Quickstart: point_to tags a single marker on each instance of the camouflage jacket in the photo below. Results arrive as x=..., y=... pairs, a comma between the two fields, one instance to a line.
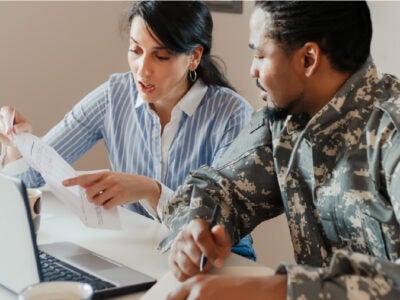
x=334, y=176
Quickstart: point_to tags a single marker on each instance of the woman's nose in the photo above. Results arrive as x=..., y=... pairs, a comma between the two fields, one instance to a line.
x=145, y=68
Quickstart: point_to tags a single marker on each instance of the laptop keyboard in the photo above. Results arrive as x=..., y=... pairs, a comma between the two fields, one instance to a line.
x=54, y=269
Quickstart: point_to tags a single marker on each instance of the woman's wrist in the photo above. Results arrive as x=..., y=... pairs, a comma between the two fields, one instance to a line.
x=155, y=195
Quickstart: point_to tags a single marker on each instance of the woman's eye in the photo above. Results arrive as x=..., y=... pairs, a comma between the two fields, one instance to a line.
x=162, y=57
x=133, y=51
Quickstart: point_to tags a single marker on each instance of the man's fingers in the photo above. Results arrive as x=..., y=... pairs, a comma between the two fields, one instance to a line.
x=194, y=240
x=186, y=265
x=178, y=273
x=223, y=242
x=211, y=242
x=185, y=256
x=201, y=233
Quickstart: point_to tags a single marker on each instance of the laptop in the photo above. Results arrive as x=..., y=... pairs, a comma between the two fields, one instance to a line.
x=24, y=263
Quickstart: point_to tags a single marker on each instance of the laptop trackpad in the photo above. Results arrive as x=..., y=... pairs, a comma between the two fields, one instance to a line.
x=91, y=262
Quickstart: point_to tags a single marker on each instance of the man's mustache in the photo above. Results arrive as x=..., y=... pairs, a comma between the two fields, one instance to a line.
x=260, y=86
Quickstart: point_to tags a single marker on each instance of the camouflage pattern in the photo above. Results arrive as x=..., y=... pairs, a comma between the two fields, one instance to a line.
x=335, y=177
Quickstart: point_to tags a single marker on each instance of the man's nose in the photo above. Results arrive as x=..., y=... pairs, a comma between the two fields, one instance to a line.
x=254, y=70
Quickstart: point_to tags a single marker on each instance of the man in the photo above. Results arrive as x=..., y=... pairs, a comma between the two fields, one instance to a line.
x=322, y=151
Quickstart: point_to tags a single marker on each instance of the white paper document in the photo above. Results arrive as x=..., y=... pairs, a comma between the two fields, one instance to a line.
x=54, y=169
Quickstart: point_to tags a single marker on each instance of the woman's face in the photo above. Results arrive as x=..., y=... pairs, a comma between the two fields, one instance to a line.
x=160, y=75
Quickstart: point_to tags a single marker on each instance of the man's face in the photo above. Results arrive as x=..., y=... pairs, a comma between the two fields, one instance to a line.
x=277, y=73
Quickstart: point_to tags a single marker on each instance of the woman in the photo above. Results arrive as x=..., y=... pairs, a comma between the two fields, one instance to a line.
x=172, y=113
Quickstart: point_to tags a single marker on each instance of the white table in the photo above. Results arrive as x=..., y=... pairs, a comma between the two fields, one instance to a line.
x=134, y=245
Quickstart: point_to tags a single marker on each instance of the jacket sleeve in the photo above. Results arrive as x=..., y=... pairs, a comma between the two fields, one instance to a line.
x=349, y=276
x=244, y=183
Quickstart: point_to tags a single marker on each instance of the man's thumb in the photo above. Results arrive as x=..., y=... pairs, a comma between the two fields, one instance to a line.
x=223, y=242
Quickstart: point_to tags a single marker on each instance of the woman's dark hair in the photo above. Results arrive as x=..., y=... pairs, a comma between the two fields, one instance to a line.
x=342, y=29
x=182, y=26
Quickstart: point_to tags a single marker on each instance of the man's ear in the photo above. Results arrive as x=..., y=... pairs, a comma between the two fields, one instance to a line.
x=311, y=57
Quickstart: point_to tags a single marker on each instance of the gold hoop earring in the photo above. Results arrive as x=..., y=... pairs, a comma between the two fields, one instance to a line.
x=192, y=75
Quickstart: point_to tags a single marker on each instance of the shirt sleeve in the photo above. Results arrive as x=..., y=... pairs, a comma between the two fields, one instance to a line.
x=165, y=195
x=238, y=119
x=79, y=130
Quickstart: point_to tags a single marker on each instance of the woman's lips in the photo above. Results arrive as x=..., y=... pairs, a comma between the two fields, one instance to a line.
x=146, y=87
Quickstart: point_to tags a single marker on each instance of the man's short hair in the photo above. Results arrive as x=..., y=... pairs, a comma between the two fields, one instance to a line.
x=342, y=29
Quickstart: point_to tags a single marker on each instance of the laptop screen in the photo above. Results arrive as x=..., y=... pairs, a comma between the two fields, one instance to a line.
x=18, y=254
x=19, y=257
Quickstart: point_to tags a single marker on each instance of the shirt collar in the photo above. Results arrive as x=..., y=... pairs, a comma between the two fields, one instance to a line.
x=139, y=101
x=189, y=102
x=353, y=97
x=350, y=97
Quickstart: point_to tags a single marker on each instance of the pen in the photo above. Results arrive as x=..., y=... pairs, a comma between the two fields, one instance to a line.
x=214, y=217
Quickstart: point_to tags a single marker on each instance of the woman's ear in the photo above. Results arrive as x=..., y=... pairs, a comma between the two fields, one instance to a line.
x=311, y=57
x=195, y=57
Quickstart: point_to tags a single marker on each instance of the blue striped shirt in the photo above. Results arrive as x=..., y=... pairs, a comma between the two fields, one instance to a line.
x=131, y=131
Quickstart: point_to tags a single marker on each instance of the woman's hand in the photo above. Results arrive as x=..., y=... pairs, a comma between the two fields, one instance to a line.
x=111, y=189
x=12, y=122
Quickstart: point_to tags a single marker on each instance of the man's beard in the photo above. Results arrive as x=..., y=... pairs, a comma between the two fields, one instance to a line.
x=278, y=113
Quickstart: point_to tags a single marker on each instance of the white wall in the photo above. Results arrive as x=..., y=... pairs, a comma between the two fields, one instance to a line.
x=385, y=40
x=230, y=35
x=53, y=53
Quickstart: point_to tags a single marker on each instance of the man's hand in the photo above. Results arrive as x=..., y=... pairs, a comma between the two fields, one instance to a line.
x=110, y=189
x=195, y=239
x=209, y=287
